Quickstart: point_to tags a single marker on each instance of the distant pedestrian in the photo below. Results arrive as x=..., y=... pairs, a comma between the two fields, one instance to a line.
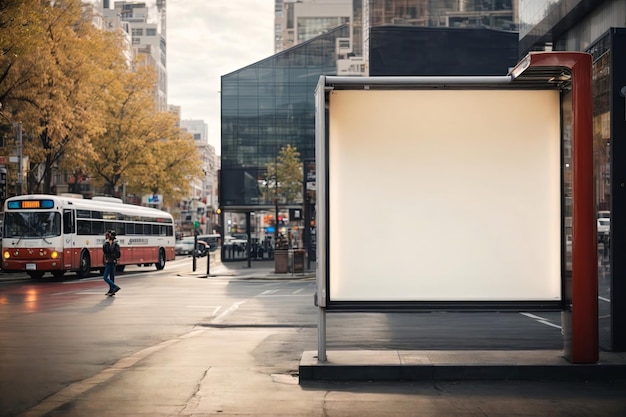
x=111, y=252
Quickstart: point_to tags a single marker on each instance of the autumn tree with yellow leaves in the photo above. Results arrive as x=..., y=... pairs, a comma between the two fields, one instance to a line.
x=140, y=147
x=83, y=108
x=283, y=178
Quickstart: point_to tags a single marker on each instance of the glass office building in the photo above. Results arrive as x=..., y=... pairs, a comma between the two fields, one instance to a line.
x=596, y=27
x=266, y=106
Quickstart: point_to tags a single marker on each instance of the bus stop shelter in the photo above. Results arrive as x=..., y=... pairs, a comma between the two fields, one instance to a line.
x=474, y=169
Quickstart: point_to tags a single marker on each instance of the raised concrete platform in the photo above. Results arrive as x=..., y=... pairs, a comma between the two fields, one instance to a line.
x=413, y=365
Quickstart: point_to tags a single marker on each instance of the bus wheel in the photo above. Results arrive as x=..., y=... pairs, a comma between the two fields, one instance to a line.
x=58, y=274
x=161, y=262
x=119, y=268
x=85, y=265
x=35, y=274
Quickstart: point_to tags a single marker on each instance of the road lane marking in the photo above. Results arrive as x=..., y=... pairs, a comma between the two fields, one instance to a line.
x=547, y=323
x=532, y=316
x=282, y=295
x=541, y=320
x=230, y=310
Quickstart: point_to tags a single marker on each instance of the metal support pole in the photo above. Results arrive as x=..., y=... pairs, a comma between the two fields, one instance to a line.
x=222, y=234
x=307, y=229
x=248, y=243
x=321, y=334
x=195, y=246
x=276, y=224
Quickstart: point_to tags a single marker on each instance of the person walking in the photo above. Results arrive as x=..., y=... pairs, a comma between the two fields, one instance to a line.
x=111, y=252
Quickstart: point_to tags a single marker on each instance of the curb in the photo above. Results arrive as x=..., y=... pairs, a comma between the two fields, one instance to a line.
x=251, y=276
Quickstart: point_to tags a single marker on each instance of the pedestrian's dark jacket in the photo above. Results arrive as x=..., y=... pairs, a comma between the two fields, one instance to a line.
x=111, y=252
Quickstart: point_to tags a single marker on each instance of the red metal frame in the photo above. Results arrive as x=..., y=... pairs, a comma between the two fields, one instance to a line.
x=584, y=289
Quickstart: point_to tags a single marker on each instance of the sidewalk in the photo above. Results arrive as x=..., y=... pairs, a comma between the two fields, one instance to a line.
x=221, y=372
x=239, y=269
x=267, y=371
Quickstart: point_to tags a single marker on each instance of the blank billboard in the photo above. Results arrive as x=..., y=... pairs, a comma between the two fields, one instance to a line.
x=444, y=195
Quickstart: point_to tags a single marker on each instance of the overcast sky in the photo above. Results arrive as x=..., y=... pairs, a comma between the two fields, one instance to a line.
x=207, y=39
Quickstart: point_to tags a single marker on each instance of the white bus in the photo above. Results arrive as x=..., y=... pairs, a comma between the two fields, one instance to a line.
x=57, y=234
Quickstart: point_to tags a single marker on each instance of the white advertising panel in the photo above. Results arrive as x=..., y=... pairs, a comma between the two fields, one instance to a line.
x=444, y=195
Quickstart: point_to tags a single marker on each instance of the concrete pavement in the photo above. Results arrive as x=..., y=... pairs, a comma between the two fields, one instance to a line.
x=216, y=372
x=222, y=371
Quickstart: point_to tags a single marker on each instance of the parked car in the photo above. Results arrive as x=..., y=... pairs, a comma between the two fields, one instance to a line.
x=231, y=240
x=185, y=247
x=212, y=240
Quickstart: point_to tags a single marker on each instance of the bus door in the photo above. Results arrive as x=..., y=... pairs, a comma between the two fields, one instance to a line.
x=71, y=256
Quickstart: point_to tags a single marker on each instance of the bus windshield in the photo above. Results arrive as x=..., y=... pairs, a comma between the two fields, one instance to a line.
x=32, y=224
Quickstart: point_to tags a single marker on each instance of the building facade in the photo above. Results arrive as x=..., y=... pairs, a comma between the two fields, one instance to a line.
x=300, y=21
x=297, y=21
x=498, y=14
x=148, y=39
x=598, y=28
x=439, y=51
x=266, y=106
x=203, y=197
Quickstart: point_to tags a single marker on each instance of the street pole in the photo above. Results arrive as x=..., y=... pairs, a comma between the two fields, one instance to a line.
x=195, y=248
x=248, y=243
x=19, y=158
x=276, y=223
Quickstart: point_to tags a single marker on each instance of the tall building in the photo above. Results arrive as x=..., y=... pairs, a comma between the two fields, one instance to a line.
x=299, y=21
x=266, y=106
x=497, y=14
x=204, y=190
x=148, y=39
x=599, y=28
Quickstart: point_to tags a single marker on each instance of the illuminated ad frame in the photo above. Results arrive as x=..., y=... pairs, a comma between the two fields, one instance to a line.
x=446, y=192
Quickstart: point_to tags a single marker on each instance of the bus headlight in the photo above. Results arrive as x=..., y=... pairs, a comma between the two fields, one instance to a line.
x=54, y=254
x=6, y=254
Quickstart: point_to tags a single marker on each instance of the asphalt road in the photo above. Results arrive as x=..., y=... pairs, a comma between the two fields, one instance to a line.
x=57, y=333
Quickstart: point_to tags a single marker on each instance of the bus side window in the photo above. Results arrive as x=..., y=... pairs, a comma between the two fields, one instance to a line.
x=84, y=227
x=68, y=221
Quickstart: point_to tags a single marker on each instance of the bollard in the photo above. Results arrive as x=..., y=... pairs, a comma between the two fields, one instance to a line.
x=208, y=263
x=193, y=252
